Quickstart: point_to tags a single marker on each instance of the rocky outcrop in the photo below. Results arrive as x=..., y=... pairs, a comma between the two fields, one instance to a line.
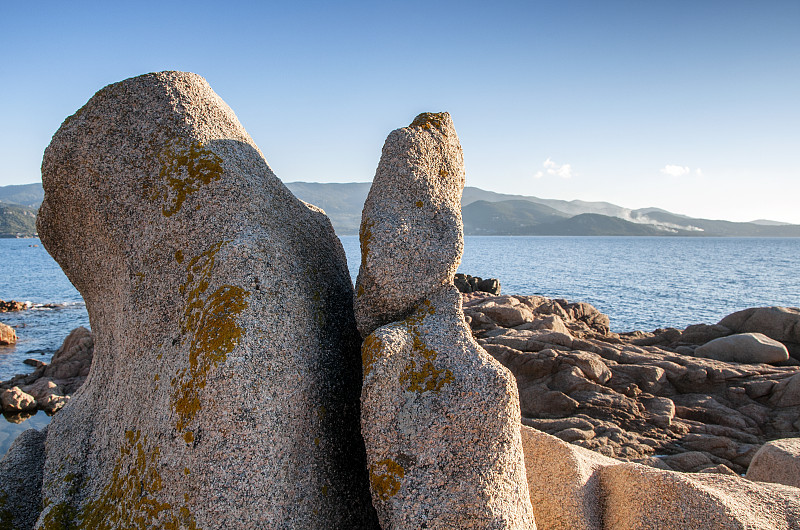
x=220, y=305
x=440, y=417
x=21, y=481
x=778, y=323
x=637, y=395
x=7, y=335
x=750, y=348
x=50, y=386
x=777, y=461
x=12, y=305
x=576, y=489
x=468, y=284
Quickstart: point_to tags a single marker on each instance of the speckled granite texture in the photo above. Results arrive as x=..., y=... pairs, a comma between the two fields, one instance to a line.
x=224, y=387
x=440, y=416
x=21, y=481
x=409, y=241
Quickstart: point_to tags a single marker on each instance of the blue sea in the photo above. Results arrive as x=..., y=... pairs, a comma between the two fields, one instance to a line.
x=640, y=282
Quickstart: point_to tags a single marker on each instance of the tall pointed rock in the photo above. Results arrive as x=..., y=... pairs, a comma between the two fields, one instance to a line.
x=440, y=416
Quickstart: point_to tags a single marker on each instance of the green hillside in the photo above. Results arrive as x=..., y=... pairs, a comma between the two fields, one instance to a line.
x=484, y=213
x=23, y=194
x=517, y=217
x=17, y=221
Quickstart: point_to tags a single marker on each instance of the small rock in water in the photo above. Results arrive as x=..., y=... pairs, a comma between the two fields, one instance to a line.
x=468, y=284
x=12, y=305
x=15, y=400
x=7, y=335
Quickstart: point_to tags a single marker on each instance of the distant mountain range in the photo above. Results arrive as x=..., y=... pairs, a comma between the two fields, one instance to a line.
x=484, y=212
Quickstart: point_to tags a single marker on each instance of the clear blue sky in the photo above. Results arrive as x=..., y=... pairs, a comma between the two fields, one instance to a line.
x=692, y=106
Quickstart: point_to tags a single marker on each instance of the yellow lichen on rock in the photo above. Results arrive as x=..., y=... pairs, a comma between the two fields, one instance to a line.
x=426, y=120
x=185, y=168
x=385, y=477
x=365, y=237
x=370, y=351
x=210, y=321
x=129, y=500
x=421, y=374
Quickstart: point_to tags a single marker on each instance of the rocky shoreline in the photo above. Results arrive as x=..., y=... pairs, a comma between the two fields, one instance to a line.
x=635, y=396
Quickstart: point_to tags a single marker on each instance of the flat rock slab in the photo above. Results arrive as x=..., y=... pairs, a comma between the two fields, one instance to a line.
x=224, y=387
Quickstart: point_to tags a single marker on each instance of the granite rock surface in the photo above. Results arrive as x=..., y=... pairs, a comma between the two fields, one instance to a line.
x=777, y=461
x=220, y=305
x=440, y=417
x=21, y=481
x=577, y=489
x=411, y=231
x=751, y=348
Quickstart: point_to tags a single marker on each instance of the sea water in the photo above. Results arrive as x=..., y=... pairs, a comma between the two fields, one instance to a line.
x=640, y=282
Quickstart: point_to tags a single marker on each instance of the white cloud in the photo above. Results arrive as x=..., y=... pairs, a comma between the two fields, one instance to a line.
x=675, y=171
x=551, y=168
x=698, y=172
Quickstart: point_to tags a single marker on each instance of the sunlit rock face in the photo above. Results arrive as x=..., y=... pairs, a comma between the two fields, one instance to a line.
x=224, y=387
x=440, y=416
x=411, y=231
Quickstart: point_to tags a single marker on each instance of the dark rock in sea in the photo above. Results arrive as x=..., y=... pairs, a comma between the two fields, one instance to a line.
x=468, y=284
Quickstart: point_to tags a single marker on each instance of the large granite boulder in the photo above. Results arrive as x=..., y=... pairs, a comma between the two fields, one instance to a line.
x=752, y=348
x=637, y=496
x=440, y=417
x=577, y=489
x=777, y=461
x=564, y=486
x=779, y=323
x=21, y=481
x=409, y=244
x=224, y=387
